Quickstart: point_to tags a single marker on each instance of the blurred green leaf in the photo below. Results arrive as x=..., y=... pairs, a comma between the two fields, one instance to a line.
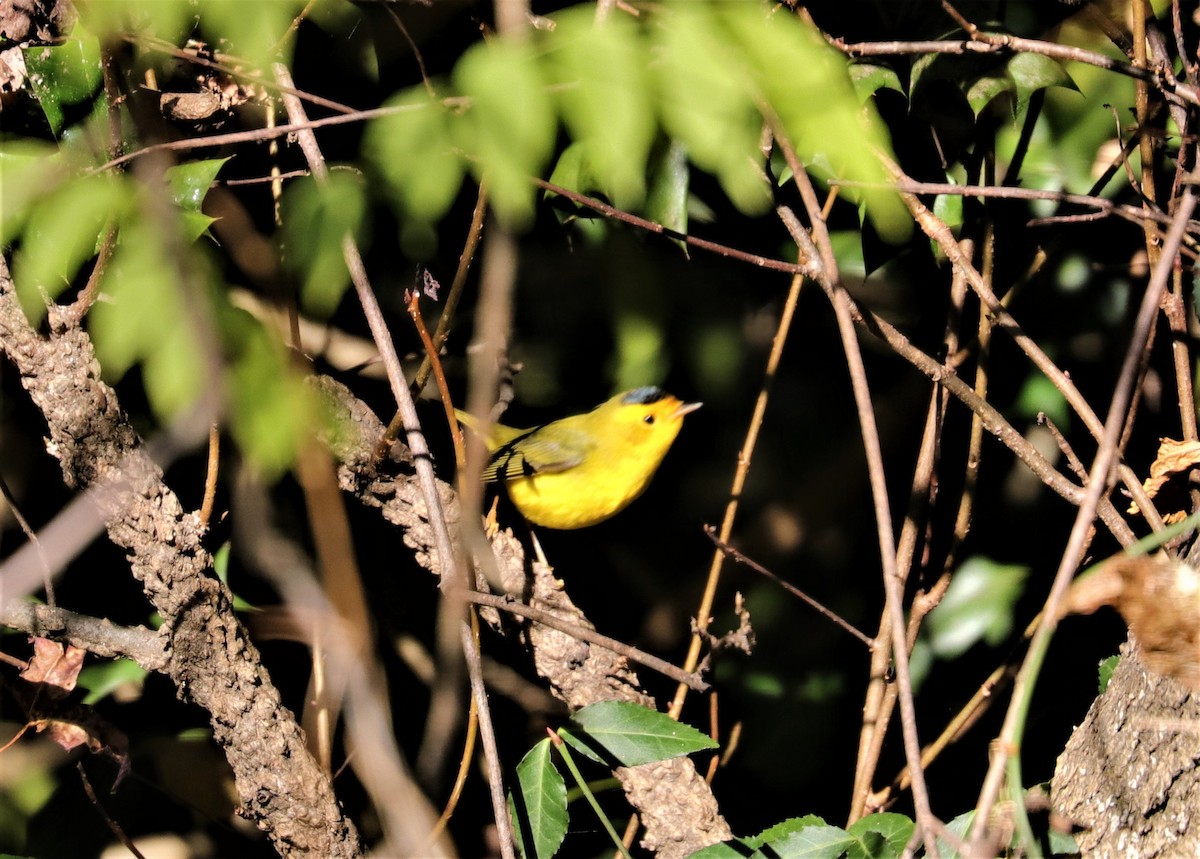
x=510, y=125
x=272, y=410
x=1105, y=671
x=670, y=179
x=103, y=678
x=414, y=152
x=880, y=836
x=165, y=19
x=141, y=300
x=632, y=734
x=316, y=218
x=64, y=75
x=29, y=170
x=977, y=606
x=1040, y=395
x=253, y=31
x=818, y=107
x=868, y=78
x=604, y=97
x=62, y=232
x=705, y=104
x=543, y=803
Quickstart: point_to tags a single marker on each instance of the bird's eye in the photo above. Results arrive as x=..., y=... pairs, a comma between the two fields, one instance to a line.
x=648, y=419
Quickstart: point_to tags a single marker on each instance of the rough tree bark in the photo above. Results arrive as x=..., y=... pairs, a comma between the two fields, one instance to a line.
x=210, y=658
x=1129, y=778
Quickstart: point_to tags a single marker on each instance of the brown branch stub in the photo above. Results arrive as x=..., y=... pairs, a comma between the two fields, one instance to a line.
x=211, y=660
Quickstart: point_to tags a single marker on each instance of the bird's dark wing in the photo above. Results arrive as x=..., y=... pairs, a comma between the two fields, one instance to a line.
x=536, y=452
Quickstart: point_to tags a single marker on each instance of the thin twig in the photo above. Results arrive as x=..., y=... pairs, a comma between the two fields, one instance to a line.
x=1098, y=483
x=512, y=606
x=842, y=305
x=991, y=43
x=829, y=614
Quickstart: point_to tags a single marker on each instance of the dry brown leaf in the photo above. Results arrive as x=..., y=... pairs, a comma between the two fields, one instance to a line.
x=1174, y=457
x=1159, y=597
x=54, y=666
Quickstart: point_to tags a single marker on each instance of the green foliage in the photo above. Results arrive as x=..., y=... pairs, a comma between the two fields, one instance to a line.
x=704, y=77
x=611, y=733
x=978, y=606
x=541, y=824
x=64, y=75
x=104, y=678
x=316, y=219
x=187, y=185
x=1105, y=671
x=631, y=734
x=61, y=233
x=509, y=129
x=878, y=836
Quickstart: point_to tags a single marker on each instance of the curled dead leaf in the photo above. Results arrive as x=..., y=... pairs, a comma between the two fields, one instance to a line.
x=1174, y=458
x=1159, y=598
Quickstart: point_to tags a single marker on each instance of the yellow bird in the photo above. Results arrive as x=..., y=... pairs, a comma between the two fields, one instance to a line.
x=583, y=469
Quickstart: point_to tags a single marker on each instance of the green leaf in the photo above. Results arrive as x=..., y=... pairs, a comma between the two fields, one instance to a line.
x=604, y=97
x=631, y=734
x=272, y=410
x=1040, y=395
x=64, y=75
x=543, y=825
x=784, y=828
x=188, y=183
x=811, y=842
x=28, y=171
x=103, y=678
x=977, y=606
x=414, y=151
x=817, y=106
x=169, y=20
x=316, y=219
x=670, y=179
x=510, y=124
x=705, y=102
x=1033, y=72
x=141, y=290
x=880, y=836
x=253, y=31
x=986, y=88
x=1105, y=672
x=62, y=232
x=869, y=78
x=173, y=368
x=959, y=827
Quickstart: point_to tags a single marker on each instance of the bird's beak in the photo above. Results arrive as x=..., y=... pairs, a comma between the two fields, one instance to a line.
x=685, y=408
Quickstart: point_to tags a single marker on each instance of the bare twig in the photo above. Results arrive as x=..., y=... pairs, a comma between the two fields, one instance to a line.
x=1098, y=484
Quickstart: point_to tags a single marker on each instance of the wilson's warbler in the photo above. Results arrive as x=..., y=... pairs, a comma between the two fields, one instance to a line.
x=583, y=469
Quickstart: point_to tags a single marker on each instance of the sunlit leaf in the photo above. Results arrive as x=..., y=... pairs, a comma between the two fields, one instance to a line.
x=414, y=152
x=316, y=220
x=603, y=93
x=64, y=75
x=869, y=78
x=978, y=606
x=63, y=231
x=631, y=734
x=706, y=104
x=509, y=126
x=879, y=836
x=104, y=678
x=670, y=179
x=541, y=815
x=28, y=170
x=254, y=31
